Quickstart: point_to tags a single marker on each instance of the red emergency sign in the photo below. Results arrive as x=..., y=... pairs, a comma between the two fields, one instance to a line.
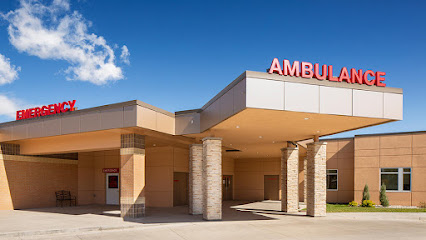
x=46, y=110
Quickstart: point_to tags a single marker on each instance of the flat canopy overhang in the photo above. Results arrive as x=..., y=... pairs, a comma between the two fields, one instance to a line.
x=262, y=132
x=259, y=112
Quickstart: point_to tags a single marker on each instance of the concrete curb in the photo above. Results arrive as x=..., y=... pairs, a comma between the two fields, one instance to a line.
x=20, y=234
x=65, y=231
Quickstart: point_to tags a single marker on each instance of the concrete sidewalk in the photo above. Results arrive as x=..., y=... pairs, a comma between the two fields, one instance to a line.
x=239, y=219
x=16, y=223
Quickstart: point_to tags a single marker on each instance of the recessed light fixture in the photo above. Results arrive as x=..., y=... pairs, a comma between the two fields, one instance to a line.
x=237, y=126
x=318, y=131
x=230, y=144
x=154, y=145
x=273, y=141
x=306, y=118
x=260, y=137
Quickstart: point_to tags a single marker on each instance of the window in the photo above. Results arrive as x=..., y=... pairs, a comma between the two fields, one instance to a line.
x=396, y=179
x=332, y=179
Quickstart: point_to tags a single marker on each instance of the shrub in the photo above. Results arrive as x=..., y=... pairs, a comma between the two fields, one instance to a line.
x=365, y=193
x=383, y=198
x=422, y=205
x=353, y=204
x=367, y=203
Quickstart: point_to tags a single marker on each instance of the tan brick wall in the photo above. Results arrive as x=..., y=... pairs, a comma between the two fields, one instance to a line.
x=31, y=182
x=132, y=176
x=340, y=156
x=391, y=151
x=132, y=185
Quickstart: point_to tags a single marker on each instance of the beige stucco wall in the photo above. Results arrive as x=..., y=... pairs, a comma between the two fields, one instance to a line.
x=249, y=176
x=31, y=182
x=161, y=162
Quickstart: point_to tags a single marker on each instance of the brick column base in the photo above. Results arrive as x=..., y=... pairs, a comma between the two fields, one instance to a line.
x=316, y=179
x=290, y=180
x=212, y=178
x=132, y=176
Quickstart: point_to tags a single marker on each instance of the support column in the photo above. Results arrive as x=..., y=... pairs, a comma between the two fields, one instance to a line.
x=316, y=179
x=290, y=179
x=132, y=176
x=196, y=179
x=305, y=181
x=212, y=178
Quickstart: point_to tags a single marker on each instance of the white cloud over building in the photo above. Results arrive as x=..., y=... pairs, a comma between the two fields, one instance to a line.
x=56, y=32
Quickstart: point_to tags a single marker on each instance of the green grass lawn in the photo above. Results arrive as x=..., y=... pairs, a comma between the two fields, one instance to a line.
x=345, y=208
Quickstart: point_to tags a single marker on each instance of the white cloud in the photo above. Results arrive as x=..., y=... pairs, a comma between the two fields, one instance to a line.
x=8, y=106
x=55, y=32
x=125, y=54
x=8, y=72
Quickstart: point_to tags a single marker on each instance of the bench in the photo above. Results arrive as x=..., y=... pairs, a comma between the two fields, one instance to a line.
x=64, y=196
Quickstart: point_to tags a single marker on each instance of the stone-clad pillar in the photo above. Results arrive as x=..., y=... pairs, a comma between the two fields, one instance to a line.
x=196, y=179
x=132, y=176
x=212, y=178
x=290, y=179
x=305, y=177
x=316, y=179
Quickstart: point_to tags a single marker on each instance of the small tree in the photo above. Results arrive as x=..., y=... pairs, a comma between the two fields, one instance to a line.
x=383, y=198
x=366, y=193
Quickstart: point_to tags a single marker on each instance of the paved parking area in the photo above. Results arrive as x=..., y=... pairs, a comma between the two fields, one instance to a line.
x=260, y=220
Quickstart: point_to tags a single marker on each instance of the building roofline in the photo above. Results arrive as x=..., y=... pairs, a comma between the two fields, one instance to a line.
x=336, y=139
x=189, y=111
x=85, y=110
x=386, y=134
x=372, y=134
x=244, y=75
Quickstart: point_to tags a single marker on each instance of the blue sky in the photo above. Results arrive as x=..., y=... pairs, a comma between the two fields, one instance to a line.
x=182, y=53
